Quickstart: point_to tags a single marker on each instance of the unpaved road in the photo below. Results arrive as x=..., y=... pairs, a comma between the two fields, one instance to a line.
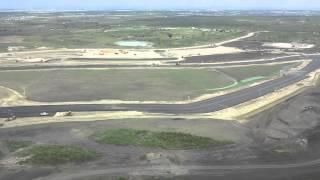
x=178, y=170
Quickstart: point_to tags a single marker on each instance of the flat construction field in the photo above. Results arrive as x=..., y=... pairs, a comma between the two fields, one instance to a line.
x=130, y=84
x=88, y=85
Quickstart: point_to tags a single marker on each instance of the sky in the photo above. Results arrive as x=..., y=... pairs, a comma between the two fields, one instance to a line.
x=161, y=4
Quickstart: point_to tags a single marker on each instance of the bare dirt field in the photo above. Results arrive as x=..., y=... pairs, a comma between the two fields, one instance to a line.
x=291, y=118
x=289, y=45
x=78, y=134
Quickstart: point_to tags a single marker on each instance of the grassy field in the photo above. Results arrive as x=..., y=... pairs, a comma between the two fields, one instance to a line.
x=102, y=30
x=265, y=71
x=169, y=84
x=56, y=154
x=166, y=140
x=289, y=37
x=75, y=85
x=160, y=38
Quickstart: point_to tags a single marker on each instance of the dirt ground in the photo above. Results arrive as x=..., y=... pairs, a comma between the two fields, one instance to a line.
x=291, y=118
x=3, y=93
x=287, y=133
x=78, y=134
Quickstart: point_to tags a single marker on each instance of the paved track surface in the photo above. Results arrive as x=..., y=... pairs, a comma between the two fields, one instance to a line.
x=205, y=106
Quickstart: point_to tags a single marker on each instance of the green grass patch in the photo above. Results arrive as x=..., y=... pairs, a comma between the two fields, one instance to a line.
x=165, y=140
x=16, y=145
x=56, y=154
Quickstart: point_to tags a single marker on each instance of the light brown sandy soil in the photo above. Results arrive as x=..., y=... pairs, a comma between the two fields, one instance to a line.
x=180, y=53
x=3, y=93
x=10, y=97
x=130, y=54
x=289, y=45
x=42, y=55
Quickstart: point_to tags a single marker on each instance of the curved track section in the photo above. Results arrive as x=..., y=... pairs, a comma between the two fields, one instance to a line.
x=205, y=106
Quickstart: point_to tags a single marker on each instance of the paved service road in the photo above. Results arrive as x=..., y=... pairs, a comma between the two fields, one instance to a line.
x=205, y=106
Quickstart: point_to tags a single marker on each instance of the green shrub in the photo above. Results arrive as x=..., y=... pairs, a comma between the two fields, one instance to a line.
x=166, y=140
x=56, y=154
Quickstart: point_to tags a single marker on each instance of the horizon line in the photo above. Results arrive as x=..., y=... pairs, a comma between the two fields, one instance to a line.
x=157, y=9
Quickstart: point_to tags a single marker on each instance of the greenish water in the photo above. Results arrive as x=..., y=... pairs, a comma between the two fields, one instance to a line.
x=134, y=43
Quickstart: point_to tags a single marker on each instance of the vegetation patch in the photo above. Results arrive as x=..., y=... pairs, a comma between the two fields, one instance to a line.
x=166, y=140
x=16, y=145
x=159, y=37
x=288, y=37
x=56, y=154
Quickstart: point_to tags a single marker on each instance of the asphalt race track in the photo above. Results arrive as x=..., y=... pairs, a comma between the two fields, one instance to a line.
x=205, y=106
